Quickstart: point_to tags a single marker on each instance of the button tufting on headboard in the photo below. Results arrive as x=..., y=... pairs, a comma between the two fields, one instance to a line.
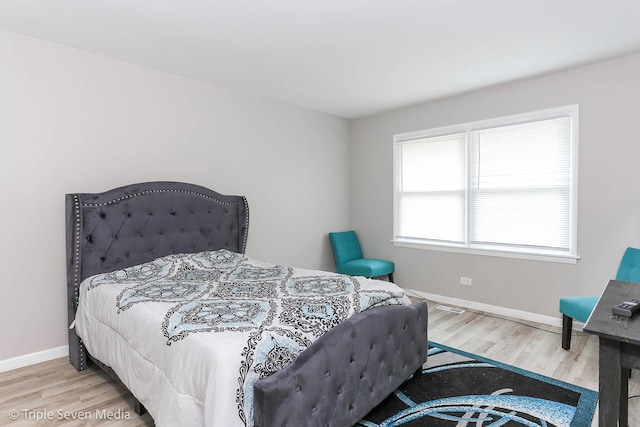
x=349, y=375
x=102, y=228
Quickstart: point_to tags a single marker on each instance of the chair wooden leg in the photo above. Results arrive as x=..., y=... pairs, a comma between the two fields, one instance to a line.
x=567, y=324
x=391, y=277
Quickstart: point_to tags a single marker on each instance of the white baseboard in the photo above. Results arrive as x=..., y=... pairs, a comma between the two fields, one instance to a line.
x=54, y=353
x=492, y=309
x=33, y=358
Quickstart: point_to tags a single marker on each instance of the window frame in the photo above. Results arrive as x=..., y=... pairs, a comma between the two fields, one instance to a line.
x=520, y=252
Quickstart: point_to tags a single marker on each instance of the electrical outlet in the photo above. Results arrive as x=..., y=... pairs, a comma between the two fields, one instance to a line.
x=465, y=281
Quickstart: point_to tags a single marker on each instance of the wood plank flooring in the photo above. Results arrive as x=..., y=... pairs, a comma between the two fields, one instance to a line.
x=55, y=393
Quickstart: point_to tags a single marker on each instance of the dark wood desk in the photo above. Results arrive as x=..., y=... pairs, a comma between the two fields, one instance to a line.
x=619, y=351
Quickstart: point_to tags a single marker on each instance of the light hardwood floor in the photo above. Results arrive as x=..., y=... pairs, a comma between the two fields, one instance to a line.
x=56, y=391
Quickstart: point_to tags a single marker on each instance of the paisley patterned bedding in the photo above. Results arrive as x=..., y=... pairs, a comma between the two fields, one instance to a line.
x=189, y=334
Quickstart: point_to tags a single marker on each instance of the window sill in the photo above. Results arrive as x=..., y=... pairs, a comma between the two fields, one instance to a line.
x=547, y=256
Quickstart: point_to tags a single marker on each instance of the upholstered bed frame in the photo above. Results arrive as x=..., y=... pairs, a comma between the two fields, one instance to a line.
x=336, y=381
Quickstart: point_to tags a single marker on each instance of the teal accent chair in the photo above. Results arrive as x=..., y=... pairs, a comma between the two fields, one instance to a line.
x=580, y=308
x=349, y=259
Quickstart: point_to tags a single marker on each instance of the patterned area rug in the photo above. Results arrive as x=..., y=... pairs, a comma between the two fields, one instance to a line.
x=462, y=389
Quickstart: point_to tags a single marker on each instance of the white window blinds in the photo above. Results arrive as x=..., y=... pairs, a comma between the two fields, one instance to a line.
x=520, y=184
x=505, y=184
x=432, y=200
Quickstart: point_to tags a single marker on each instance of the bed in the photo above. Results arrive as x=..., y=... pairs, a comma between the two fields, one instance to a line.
x=355, y=342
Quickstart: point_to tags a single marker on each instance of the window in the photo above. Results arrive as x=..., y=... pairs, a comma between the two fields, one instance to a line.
x=505, y=186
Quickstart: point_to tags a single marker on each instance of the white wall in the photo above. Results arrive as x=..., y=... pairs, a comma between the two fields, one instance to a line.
x=71, y=121
x=608, y=94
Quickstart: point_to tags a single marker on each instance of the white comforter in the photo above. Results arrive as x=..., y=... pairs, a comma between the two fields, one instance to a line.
x=189, y=334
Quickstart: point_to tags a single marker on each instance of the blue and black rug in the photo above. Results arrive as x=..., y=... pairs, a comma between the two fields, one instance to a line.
x=465, y=390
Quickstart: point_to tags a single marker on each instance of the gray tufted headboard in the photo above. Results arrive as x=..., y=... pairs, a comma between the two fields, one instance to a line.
x=138, y=223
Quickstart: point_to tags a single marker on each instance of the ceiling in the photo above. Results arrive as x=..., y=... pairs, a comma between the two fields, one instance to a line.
x=350, y=58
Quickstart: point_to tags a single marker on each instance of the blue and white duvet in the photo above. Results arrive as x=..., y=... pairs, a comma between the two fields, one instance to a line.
x=189, y=334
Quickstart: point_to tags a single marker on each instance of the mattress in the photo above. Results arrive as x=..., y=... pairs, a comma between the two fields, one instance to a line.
x=189, y=334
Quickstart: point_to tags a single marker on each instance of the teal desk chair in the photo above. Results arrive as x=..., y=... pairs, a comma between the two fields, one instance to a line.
x=349, y=260
x=580, y=308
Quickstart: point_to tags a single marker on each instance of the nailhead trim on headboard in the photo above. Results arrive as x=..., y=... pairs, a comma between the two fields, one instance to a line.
x=246, y=224
x=76, y=257
x=129, y=196
x=81, y=222
x=76, y=273
x=119, y=199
